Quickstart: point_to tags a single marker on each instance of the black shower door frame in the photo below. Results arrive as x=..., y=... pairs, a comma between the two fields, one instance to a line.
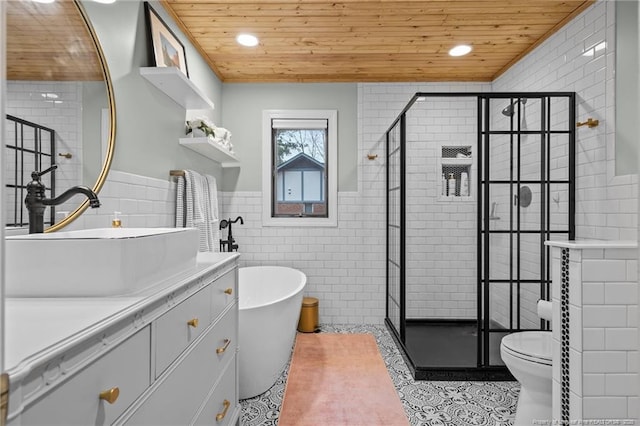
x=484, y=369
x=515, y=231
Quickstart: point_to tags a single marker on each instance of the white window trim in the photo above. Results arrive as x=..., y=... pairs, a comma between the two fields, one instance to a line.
x=332, y=146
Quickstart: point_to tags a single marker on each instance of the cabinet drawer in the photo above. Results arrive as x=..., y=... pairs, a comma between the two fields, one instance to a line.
x=215, y=411
x=224, y=292
x=177, y=396
x=176, y=329
x=77, y=401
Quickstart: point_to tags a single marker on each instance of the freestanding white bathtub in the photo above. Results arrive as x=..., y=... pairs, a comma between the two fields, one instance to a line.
x=270, y=302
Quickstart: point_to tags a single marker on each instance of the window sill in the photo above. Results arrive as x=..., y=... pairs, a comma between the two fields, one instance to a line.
x=301, y=222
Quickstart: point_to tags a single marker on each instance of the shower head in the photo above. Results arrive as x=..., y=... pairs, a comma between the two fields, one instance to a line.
x=510, y=109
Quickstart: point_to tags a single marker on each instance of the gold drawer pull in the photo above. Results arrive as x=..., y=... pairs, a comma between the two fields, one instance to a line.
x=224, y=348
x=226, y=405
x=110, y=395
x=193, y=322
x=228, y=291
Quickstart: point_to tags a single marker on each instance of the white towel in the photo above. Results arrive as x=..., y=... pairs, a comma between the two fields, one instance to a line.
x=197, y=207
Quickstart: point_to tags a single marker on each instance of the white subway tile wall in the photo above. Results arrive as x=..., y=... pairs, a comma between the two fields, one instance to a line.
x=142, y=202
x=506, y=154
x=345, y=265
x=603, y=333
x=440, y=237
x=440, y=230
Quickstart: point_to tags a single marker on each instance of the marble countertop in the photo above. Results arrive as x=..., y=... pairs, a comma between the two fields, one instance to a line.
x=36, y=325
x=593, y=244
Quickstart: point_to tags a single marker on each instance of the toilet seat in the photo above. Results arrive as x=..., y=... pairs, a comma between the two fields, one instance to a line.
x=532, y=346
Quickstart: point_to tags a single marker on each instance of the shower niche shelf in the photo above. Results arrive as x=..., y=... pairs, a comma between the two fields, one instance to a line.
x=454, y=161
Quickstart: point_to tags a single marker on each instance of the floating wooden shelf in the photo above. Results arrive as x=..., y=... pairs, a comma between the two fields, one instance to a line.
x=211, y=150
x=177, y=86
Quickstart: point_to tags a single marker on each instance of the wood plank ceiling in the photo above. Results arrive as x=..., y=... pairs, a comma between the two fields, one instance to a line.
x=368, y=40
x=49, y=42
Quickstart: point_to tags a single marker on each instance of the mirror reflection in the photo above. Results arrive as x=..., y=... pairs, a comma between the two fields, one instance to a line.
x=58, y=106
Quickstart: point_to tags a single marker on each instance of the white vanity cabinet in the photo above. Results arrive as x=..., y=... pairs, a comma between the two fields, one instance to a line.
x=78, y=402
x=180, y=327
x=180, y=390
x=169, y=359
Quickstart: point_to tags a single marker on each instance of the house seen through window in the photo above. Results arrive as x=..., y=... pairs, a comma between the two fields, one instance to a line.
x=300, y=167
x=299, y=162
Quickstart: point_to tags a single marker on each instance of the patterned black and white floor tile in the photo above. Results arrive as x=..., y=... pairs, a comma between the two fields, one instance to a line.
x=425, y=403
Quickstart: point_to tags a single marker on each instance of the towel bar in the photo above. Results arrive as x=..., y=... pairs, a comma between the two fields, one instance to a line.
x=176, y=173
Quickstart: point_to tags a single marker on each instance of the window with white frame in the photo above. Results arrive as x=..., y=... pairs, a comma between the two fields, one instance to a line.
x=300, y=167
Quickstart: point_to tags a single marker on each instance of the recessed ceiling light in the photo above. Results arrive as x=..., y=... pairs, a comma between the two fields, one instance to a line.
x=460, y=50
x=247, y=40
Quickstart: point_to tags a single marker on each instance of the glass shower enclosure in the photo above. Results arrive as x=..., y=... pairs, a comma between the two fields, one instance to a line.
x=476, y=183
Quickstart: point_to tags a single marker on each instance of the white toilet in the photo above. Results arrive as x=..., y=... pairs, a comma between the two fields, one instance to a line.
x=527, y=355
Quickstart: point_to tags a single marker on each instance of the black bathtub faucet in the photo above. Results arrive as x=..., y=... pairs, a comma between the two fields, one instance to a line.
x=230, y=243
x=36, y=202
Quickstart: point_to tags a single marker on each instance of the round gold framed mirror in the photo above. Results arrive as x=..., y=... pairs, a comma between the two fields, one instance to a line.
x=54, y=56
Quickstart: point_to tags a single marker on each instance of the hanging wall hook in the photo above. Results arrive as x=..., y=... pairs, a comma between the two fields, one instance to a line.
x=591, y=123
x=372, y=156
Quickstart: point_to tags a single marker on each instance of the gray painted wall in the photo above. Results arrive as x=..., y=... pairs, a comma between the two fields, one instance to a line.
x=148, y=122
x=242, y=106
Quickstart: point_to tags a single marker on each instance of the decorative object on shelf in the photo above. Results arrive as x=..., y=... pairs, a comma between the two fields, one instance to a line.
x=165, y=49
x=202, y=127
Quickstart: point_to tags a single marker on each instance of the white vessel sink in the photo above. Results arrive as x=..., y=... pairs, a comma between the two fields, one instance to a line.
x=96, y=262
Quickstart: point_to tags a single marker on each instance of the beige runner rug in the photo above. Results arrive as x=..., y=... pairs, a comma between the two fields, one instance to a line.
x=339, y=380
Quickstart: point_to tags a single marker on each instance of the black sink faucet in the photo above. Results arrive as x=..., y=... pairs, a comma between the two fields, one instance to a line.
x=36, y=202
x=229, y=244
